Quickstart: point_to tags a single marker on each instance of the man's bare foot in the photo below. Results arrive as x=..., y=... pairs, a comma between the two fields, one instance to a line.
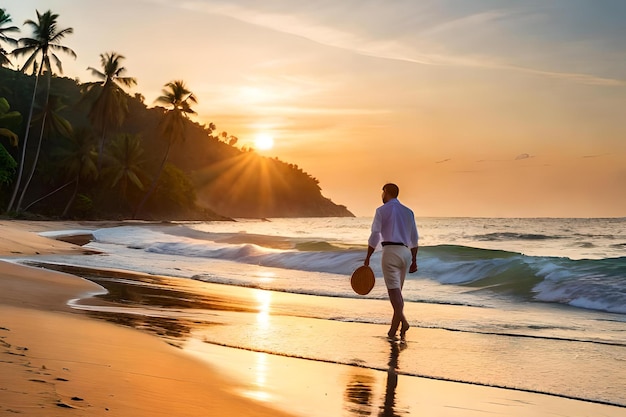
x=403, y=331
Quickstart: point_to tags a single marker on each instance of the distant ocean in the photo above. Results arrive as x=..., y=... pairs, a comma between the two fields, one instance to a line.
x=540, y=289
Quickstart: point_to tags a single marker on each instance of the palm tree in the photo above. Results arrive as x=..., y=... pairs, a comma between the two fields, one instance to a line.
x=78, y=160
x=43, y=44
x=125, y=164
x=9, y=121
x=5, y=18
x=109, y=104
x=177, y=97
x=52, y=122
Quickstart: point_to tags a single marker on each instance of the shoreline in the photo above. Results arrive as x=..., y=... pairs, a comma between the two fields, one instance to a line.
x=34, y=310
x=56, y=360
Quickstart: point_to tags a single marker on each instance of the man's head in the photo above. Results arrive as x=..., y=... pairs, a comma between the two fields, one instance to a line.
x=390, y=191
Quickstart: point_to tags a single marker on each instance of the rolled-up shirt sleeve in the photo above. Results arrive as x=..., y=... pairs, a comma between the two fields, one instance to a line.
x=375, y=235
x=414, y=235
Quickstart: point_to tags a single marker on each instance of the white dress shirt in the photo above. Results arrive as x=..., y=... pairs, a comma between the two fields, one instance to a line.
x=394, y=222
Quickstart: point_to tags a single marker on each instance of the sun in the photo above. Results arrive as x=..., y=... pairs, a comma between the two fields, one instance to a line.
x=263, y=142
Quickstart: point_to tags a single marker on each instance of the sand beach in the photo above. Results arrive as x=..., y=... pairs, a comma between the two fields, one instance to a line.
x=59, y=359
x=55, y=361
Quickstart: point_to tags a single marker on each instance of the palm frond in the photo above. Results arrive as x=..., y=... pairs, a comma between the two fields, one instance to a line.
x=4, y=60
x=29, y=62
x=61, y=34
x=127, y=81
x=27, y=48
x=65, y=49
x=135, y=180
x=96, y=73
x=57, y=62
x=13, y=138
x=5, y=19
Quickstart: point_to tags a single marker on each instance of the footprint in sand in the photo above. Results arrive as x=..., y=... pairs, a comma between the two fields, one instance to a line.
x=66, y=404
x=2, y=342
x=41, y=376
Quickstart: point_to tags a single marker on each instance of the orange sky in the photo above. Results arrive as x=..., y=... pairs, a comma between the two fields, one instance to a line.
x=474, y=108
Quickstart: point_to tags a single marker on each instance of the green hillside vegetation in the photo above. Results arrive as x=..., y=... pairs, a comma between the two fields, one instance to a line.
x=92, y=151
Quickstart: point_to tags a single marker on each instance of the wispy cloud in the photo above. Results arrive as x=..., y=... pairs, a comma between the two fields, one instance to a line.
x=568, y=76
x=415, y=51
x=465, y=23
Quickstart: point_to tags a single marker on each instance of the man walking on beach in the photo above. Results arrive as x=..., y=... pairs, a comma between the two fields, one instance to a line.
x=394, y=226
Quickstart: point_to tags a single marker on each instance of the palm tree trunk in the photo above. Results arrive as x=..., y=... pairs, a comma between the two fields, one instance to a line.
x=154, y=183
x=34, y=166
x=47, y=195
x=23, y=157
x=73, y=197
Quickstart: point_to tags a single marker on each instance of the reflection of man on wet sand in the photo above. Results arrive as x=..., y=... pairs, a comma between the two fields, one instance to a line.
x=388, y=408
x=358, y=396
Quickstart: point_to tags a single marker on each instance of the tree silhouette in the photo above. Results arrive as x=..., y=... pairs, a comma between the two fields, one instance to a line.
x=109, y=102
x=78, y=159
x=177, y=98
x=5, y=19
x=9, y=121
x=51, y=122
x=125, y=164
x=43, y=44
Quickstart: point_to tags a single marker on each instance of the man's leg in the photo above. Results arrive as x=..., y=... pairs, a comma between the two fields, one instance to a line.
x=395, y=261
x=397, y=302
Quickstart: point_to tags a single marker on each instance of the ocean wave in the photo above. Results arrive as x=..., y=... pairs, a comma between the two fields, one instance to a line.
x=590, y=284
x=597, y=284
x=514, y=236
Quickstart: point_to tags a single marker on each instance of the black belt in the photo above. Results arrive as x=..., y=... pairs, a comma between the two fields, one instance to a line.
x=393, y=244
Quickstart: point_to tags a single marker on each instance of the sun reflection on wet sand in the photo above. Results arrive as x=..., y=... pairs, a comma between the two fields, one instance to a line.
x=260, y=389
x=263, y=317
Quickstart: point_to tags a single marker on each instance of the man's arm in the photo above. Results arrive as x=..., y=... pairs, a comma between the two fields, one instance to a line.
x=415, y=243
x=370, y=250
x=413, y=267
x=374, y=238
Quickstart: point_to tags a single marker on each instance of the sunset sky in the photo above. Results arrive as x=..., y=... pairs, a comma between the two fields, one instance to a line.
x=473, y=107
